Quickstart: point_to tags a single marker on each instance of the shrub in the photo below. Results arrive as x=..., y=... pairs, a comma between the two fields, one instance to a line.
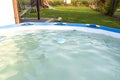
x=81, y=2
x=102, y=7
x=55, y=3
x=86, y=3
x=76, y=3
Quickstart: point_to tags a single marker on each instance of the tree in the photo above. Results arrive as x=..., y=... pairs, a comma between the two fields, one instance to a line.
x=108, y=7
x=112, y=6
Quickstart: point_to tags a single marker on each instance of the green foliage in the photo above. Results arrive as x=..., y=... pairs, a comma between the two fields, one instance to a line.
x=60, y=2
x=102, y=7
x=24, y=2
x=78, y=15
x=112, y=6
x=119, y=5
x=55, y=3
x=109, y=7
x=74, y=2
x=86, y=3
x=81, y=2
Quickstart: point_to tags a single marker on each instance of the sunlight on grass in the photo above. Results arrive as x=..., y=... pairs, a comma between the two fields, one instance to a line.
x=78, y=15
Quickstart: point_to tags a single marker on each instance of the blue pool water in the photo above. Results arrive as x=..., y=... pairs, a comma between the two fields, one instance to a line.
x=58, y=55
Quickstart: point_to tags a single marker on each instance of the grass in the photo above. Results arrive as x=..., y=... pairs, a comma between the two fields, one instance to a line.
x=78, y=15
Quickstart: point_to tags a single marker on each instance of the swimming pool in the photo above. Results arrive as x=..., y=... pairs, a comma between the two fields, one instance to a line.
x=56, y=51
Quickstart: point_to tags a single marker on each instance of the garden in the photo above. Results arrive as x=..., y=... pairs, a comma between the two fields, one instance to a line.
x=82, y=11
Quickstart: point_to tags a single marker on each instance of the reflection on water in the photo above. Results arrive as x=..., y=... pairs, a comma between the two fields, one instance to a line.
x=39, y=56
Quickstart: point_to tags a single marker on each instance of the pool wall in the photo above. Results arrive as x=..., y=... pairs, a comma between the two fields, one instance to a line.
x=62, y=26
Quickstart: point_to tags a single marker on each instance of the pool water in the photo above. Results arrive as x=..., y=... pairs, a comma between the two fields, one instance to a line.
x=59, y=55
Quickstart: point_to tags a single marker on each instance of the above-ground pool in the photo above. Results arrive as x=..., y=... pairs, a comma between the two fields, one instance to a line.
x=48, y=51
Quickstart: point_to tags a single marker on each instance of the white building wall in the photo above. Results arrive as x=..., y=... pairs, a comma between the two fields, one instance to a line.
x=67, y=1
x=6, y=12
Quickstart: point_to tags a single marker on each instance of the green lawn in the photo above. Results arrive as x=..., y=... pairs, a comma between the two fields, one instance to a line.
x=78, y=15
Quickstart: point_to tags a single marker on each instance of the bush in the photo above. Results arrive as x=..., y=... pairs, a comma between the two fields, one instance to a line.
x=86, y=3
x=76, y=3
x=55, y=3
x=108, y=7
x=81, y=2
x=119, y=5
x=102, y=7
x=73, y=2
